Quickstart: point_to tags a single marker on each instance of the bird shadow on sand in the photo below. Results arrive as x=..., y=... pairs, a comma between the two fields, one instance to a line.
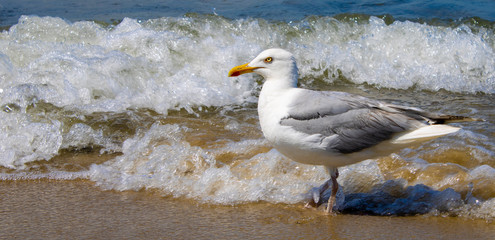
x=393, y=198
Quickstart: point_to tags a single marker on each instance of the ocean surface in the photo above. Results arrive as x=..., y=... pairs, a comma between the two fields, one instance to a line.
x=135, y=96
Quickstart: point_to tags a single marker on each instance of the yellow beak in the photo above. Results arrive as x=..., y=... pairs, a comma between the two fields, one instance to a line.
x=239, y=70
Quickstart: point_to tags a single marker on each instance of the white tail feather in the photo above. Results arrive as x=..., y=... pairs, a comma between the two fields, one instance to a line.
x=430, y=131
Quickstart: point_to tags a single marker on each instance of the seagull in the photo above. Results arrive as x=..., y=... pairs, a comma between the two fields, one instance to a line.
x=330, y=128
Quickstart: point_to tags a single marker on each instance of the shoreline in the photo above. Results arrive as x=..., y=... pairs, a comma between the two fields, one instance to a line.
x=62, y=209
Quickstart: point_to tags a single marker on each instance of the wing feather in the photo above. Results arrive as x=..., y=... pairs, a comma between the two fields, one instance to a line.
x=353, y=122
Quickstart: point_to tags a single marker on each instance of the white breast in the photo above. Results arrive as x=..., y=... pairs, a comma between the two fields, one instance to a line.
x=272, y=107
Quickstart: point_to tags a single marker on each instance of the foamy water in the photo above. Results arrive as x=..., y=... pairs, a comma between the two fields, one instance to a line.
x=156, y=92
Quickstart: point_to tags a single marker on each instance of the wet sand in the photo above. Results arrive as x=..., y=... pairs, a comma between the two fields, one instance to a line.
x=54, y=209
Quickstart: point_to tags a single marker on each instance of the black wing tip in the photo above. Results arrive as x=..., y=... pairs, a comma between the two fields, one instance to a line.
x=452, y=118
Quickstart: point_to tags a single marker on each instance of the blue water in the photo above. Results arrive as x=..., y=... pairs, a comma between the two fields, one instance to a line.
x=285, y=10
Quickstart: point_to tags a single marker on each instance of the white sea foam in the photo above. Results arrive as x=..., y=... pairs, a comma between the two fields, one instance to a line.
x=24, y=141
x=401, y=55
x=162, y=160
x=173, y=63
x=87, y=67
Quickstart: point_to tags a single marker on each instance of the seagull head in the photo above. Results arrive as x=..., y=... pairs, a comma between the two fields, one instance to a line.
x=272, y=64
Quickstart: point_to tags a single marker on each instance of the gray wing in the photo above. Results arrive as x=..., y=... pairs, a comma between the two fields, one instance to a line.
x=313, y=104
x=356, y=121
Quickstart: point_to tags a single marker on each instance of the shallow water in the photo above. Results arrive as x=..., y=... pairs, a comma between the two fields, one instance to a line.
x=145, y=105
x=76, y=209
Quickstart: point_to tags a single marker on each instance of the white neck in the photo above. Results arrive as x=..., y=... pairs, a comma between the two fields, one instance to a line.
x=275, y=85
x=270, y=94
x=283, y=80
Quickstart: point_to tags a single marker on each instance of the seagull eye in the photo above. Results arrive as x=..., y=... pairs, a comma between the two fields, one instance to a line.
x=268, y=59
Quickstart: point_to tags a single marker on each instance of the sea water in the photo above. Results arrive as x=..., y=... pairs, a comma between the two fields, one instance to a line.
x=143, y=101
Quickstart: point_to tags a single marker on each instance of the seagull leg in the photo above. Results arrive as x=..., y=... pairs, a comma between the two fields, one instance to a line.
x=334, y=174
x=317, y=195
x=318, y=192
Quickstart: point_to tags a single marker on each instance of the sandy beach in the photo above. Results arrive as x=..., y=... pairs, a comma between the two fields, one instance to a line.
x=54, y=209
